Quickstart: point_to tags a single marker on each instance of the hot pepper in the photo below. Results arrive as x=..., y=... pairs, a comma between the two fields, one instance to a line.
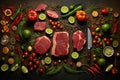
x=115, y=27
x=81, y=15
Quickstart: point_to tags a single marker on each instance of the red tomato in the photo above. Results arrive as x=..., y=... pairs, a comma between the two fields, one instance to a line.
x=100, y=43
x=104, y=11
x=41, y=70
x=100, y=34
x=55, y=62
x=105, y=39
x=111, y=39
x=37, y=62
x=25, y=54
x=94, y=41
x=32, y=15
x=108, y=43
x=114, y=71
x=30, y=63
x=96, y=37
x=33, y=54
x=31, y=69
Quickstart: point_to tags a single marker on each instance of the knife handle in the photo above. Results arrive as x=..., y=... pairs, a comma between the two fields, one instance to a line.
x=89, y=56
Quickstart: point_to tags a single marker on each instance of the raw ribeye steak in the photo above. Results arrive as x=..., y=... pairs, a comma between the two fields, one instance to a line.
x=60, y=44
x=39, y=26
x=79, y=40
x=42, y=44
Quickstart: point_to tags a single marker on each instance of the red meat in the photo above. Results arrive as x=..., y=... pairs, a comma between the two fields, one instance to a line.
x=42, y=45
x=60, y=44
x=52, y=14
x=79, y=40
x=39, y=26
x=41, y=7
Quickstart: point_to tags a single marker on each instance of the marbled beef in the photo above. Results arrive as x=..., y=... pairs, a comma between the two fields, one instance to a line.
x=42, y=44
x=60, y=44
x=79, y=40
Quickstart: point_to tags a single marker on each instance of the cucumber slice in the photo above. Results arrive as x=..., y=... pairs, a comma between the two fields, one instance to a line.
x=48, y=31
x=115, y=43
x=64, y=9
x=48, y=60
x=4, y=67
x=75, y=55
x=15, y=67
x=42, y=16
x=71, y=20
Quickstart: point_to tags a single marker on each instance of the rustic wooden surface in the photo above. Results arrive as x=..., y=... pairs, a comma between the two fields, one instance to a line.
x=63, y=75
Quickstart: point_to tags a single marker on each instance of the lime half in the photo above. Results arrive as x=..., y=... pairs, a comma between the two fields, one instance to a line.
x=4, y=67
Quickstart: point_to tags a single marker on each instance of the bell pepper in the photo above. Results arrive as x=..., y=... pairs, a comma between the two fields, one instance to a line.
x=81, y=15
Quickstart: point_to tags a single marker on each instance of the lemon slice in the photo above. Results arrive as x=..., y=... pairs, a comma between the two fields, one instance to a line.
x=4, y=67
x=95, y=14
x=15, y=67
x=75, y=55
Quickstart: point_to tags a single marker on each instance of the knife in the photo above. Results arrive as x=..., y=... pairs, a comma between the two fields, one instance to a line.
x=89, y=44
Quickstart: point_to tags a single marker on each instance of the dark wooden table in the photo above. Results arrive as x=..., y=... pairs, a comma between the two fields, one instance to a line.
x=63, y=75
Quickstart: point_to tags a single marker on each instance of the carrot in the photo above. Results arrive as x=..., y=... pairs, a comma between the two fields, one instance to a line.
x=91, y=72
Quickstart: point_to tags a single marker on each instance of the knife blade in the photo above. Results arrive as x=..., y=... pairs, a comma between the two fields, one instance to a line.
x=89, y=44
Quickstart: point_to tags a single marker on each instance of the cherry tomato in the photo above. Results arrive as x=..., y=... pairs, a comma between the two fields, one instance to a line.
x=25, y=54
x=32, y=15
x=100, y=43
x=30, y=63
x=104, y=11
x=111, y=39
x=65, y=60
x=105, y=39
x=96, y=37
x=100, y=34
x=37, y=62
x=93, y=33
x=108, y=43
x=94, y=41
x=41, y=70
x=35, y=66
x=114, y=71
x=30, y=58
x=71, y=63
x=55, y=63
x=31, y=68
x=33, y=54
x=34, y=60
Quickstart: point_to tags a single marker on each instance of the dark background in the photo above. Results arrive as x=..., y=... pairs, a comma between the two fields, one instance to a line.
x=63, y=75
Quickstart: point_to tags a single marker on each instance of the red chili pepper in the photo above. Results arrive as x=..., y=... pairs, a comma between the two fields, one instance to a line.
x=18, y=49
x=95, y=70
x=91, y=72
x=17, y=20
x=115, y=27
x=97, y=67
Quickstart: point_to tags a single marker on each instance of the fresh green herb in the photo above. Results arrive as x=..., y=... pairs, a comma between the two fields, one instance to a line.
x=98, y=52
x=91, y=8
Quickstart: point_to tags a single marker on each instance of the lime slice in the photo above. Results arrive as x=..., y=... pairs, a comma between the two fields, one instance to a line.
x=115, y=43
x=64, y=9
x=75, y=55
x=48, y=30
x=71, y=20
x=108, y=51
x=47, y=60
x=15, y=67
x=42, y=16
x=4, y=67
x=24, y=69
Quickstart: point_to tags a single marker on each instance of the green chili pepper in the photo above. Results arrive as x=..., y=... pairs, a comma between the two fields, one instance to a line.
x=20, y=26
x=54, y=70
x=73, y=11
x=68, y=69
x=15, y=14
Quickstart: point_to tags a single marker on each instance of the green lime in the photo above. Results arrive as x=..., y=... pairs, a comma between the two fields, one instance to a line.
x=75, y=55
x=26, y=33
x=115, y=43
x=105, y=27
x=15, y=67
x=47, y=60
x=101, y=61
x=4, y=67
x=42, y=16
x=48, y=31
